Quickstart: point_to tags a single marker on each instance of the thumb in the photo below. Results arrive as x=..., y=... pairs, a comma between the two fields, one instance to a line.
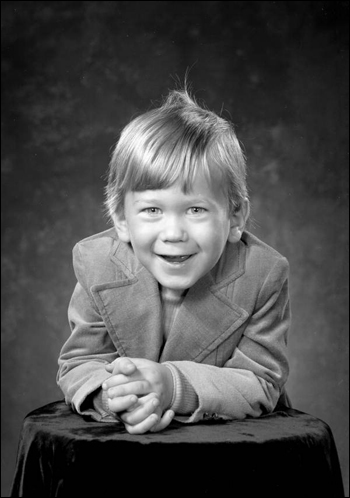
x=121, y=366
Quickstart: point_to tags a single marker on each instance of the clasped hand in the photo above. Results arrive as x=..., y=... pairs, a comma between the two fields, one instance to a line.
x=140, y=391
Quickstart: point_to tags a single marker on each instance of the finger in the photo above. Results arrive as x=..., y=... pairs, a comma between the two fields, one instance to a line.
x=141, y=401
x=118, y=380
x=139, y=387
x=122, y=403
x=121, y=365
x=141, y=412
x=144, y=426
x=164, y=421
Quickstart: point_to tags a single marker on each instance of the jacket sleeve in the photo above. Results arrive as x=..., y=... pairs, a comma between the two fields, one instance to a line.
x=89, y=348
x=251, y=381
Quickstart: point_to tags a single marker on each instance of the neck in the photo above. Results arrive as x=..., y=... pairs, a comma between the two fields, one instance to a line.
x=172, y=294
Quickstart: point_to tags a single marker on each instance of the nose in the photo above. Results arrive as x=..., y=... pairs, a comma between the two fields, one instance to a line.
x=174, y=230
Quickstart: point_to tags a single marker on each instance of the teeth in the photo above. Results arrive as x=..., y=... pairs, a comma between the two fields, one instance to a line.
x=175, y=259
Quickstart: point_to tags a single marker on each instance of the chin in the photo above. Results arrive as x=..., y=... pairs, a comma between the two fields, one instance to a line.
x=181, y=285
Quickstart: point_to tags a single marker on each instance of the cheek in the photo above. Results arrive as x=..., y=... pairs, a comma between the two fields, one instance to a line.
x=213, y=237
x=219, y=230
x=141, y=236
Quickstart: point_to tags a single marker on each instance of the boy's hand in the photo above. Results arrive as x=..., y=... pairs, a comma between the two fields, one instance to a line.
x=125, y=367
x=138, y=421
x=145, y=378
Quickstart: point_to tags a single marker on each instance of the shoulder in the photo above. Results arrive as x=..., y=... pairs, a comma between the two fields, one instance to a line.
x=95, y=258
x=248, y=265
x=263, y=263
x=260, y=272
x=261, y=255
x=98, y=245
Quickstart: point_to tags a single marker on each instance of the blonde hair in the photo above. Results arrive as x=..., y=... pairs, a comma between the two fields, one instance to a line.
x=172, y=143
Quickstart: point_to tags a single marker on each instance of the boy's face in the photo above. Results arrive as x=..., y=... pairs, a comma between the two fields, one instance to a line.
x=178, y=237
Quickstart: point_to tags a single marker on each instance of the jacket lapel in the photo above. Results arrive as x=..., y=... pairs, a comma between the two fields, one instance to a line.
x=206, y=319
x=131, y=309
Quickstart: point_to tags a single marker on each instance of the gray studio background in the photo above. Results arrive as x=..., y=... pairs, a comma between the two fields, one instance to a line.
x=74, y=73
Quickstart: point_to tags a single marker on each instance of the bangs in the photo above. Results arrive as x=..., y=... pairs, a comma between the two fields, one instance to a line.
x=167, y=153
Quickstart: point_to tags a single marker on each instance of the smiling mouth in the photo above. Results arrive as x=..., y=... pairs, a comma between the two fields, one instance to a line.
x=175, y=259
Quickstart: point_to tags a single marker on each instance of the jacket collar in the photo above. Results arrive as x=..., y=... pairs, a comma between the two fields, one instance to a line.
x=131, y=308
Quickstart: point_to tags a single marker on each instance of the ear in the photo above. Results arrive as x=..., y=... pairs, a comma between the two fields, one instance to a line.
x=121, y=225
x=238, y=221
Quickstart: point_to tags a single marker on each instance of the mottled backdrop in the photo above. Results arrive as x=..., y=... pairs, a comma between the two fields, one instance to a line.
x=74, y=73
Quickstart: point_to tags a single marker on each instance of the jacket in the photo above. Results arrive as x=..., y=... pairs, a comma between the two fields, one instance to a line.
x=229, y=338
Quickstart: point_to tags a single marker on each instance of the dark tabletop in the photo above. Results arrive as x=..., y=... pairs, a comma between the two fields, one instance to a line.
x=286, y=453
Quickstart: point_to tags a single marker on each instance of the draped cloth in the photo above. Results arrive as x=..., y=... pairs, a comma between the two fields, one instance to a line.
x=287, y=453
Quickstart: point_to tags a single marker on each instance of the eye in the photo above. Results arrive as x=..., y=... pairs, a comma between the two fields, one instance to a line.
x=197, y=210
x=153, y=211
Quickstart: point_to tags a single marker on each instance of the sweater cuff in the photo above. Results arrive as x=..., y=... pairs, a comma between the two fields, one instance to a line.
x=185, y=399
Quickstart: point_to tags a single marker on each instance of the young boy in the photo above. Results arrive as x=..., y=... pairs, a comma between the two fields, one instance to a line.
x=177, y=310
